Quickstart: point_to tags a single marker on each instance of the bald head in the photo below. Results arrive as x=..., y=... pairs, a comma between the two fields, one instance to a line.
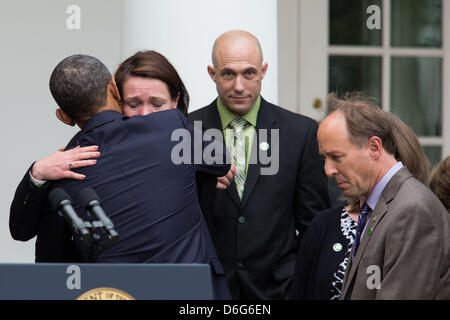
x=237, y=70
x=236, y=42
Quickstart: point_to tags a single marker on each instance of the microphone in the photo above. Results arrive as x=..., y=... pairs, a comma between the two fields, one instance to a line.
x=62, y=202
x=90, y=201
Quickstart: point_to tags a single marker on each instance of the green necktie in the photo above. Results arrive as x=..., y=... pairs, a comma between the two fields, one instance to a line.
x=238, y=153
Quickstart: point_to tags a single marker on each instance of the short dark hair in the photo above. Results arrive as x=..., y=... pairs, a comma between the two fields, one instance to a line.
x=79, y=85
x=151, y=64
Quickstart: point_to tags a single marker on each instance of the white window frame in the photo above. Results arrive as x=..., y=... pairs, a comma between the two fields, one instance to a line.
x=304, y=51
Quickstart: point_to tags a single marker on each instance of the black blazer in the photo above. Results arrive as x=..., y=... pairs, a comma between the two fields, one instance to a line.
x=27, y=217
x=151, y=199
x=256, y=239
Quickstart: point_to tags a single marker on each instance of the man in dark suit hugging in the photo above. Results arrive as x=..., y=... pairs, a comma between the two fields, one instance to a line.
x=151, y=200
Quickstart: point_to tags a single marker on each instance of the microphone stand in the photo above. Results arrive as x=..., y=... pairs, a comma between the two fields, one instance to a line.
x=90, y=243
x=85, y=231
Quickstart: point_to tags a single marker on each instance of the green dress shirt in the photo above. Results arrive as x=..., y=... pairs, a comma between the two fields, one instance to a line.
x=226, y=117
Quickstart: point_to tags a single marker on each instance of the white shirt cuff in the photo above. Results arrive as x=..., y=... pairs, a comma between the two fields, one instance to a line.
x=37, y=183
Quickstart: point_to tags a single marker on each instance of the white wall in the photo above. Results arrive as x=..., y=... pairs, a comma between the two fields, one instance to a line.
x=184, y=31
x=34, y=39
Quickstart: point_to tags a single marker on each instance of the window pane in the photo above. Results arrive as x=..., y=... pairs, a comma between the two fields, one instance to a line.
x=433, y=154
x=416, y=95
x=416, y=23
x=349, y=73
x=348, y=23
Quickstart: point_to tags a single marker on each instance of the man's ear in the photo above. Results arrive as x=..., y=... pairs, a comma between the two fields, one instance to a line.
x=112, y=87
x=212, y=73
x=264, y=69
x=375, y=147
x=63, y=117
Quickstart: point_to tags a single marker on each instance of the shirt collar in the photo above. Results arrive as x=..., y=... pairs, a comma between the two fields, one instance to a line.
x=101, y=118
x=375, y=194
x=226, y=116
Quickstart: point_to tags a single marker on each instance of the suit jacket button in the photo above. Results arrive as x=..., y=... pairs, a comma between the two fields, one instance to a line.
x=242, y=220
x=241, y=265
x=25, y=201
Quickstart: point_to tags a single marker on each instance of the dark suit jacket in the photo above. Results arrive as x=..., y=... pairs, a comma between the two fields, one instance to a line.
x=405, y=253
x=26, y=218
x=318, y=269
x=152, y=201
x=256, y=238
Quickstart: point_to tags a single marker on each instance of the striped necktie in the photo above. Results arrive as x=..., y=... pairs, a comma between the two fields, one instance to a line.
x=360, y=227
x=238, y=153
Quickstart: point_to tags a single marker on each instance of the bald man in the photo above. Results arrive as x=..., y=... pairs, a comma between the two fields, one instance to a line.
x=280, y=184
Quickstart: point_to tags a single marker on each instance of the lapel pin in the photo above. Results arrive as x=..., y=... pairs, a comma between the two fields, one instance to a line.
x=264, y=146
x=370, y=231
x=337, y=247
x=374, y=219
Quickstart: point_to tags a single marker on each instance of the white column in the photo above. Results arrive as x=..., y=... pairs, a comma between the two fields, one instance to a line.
x=184, y=31
x=313, y=56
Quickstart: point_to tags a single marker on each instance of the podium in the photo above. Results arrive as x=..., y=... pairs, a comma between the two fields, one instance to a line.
x=105, y=282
